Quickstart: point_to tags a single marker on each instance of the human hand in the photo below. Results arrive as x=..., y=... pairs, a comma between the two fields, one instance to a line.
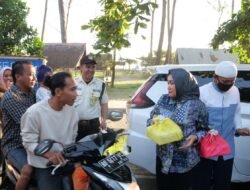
x=189, y=142
x=55, y=158
x=243, y=131
x=103, y=125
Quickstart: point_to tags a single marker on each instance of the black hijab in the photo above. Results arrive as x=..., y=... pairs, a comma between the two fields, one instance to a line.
x=185, y=83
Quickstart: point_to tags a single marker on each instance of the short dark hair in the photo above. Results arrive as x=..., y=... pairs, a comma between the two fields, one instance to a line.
x=17, y=68
x=57, y=81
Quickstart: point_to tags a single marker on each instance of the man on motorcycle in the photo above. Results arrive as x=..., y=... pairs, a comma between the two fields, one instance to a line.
x=51, y=119
x=14, y=103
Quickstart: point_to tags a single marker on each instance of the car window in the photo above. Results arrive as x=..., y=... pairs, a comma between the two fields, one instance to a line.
x=242, y=82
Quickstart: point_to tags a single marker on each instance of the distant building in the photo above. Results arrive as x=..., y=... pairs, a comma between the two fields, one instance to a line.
x=64, y=55
x=9, y=60
x=203, y=56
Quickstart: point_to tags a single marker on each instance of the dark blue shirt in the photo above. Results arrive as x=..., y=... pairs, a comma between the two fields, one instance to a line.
x=14, y=104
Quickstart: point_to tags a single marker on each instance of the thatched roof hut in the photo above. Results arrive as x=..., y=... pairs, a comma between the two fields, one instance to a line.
x=64, y=55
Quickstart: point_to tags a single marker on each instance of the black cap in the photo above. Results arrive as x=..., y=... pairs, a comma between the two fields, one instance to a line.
x=88, y=59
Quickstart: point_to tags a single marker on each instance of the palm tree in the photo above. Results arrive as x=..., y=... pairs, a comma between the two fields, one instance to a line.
x=44, y=19
x=152, y=31
x=163, y=20
x=62, y=21
x=170, y=20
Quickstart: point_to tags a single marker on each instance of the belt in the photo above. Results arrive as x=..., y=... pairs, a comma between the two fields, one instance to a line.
x=88, y=122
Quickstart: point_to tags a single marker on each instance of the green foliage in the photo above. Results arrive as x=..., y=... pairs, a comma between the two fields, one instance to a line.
x=236, y=32
x=16, y=37
x=118, y=17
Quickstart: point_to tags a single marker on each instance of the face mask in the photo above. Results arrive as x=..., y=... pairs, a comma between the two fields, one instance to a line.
x=224, y=87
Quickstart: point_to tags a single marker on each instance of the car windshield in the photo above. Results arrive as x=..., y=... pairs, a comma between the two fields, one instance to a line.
x=242, y=82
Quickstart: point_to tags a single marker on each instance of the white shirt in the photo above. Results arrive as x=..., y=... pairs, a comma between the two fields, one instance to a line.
x=87, y=103
x=223, y=112
x=42, y=94
x=40, y=122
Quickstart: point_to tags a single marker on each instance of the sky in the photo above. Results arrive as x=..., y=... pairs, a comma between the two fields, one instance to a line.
x=195, y=24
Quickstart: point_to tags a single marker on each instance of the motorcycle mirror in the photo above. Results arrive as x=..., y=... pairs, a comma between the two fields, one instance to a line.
x=115, y=115
x=43, y=147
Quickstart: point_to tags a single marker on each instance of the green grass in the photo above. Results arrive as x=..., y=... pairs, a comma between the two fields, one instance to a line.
x=123, y=90
x=126, y=83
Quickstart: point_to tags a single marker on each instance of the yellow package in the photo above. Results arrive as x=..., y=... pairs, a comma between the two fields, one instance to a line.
x=164, y=131
x=120, y=145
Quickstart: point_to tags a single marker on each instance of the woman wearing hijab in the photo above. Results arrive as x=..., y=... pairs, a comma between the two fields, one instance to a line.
x=43, y=92
x=6, y=81
x=5, y=78
x=175, y=162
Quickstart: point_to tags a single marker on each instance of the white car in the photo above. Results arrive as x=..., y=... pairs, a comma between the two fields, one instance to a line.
x=140, y=105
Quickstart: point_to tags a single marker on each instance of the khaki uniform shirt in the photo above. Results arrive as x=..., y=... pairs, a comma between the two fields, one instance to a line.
x=87, y=103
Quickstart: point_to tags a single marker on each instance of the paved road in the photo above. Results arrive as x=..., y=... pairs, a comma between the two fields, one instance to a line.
x=145, y=180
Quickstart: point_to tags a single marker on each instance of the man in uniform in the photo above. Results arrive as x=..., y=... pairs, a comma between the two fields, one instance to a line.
x=92, y=100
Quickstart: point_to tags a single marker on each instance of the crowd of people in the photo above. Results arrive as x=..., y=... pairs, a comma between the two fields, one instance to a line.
x=66, y=110
x=56, y=109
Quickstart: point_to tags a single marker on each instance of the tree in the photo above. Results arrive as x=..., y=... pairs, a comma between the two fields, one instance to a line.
x=152, y=31
x=44, y=19
x=113, y=26
x=63, y=19
x=170, y=19
x=163, y=20
x=236, y=32
x=170, y=28
x=219, y=6
x=16, y=37
x=129, y=61
x=232, y=8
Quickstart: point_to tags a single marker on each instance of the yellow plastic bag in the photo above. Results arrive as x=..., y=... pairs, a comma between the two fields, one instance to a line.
x=120, y=145
x=164, y=131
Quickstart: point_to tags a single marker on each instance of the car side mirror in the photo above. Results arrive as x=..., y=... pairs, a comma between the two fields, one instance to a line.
x=43, y=147
x=115, y=115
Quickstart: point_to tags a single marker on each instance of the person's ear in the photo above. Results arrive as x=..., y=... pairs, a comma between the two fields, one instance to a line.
x=18, y=76
x=58, y=92
x=216, y=78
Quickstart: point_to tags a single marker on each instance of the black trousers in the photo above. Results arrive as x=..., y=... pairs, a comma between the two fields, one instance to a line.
x=172, y=181
x=87, y=127
x=60, y=181
x=210, y=173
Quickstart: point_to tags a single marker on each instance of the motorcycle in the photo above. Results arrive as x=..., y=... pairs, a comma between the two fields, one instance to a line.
x=106, y=172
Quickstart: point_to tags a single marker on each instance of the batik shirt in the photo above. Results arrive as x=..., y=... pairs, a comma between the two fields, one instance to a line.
x=191, y=116
x=14, y=104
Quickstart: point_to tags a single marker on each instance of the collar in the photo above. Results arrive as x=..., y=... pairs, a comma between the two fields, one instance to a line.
x=173, y=101
x=20, y=91
x=83, y=82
